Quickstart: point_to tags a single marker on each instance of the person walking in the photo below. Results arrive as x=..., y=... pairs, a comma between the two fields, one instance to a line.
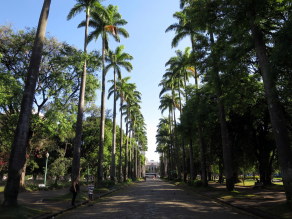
x=74, y=189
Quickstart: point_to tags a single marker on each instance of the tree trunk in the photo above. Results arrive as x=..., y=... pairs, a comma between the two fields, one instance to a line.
x=227, y=150
x=168, y=166
x=121, y=140
x=102, y=117
x=220, y=164
x=178, y=163
x=203, y=159
x=17, y=157
x=135, y=162
x=201, y=139
x=126, y=174
x=113, y=157
x=183, y=144
x=192, y=175
x=130, y=156
x=278, y=120
x=22, y=177
x=78, y=136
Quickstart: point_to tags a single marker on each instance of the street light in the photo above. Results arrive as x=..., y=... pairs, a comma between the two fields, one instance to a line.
x=47, y=156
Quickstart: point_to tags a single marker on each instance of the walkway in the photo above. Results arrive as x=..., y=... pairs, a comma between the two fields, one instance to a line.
x=154, y=199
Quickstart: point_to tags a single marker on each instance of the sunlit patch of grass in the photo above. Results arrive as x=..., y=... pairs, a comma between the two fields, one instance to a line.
x=101, y=190
x=248, y=182
x=227, y=197
x=234, y=194
x=278, y=183
x=19, y=212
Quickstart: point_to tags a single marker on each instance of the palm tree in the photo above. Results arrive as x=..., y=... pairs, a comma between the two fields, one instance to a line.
x=130, y=96
x=132, y=109
x=183, y=28
x=116, y=60
x=167, y=102
x=124, y=90
x=200, y=132
x=103, y=27
x=178, y=73
x=163, y=145
x=88, y=6
x=17, y=157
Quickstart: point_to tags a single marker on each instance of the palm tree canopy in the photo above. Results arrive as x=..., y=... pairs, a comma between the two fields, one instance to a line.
x=83, y=5
x=118, y=59
x=104, y=22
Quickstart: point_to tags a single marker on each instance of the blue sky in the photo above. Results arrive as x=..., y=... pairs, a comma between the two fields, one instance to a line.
x=148, y=43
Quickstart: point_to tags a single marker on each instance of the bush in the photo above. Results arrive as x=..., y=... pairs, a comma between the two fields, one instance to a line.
x=129, y=180
x=196, y=183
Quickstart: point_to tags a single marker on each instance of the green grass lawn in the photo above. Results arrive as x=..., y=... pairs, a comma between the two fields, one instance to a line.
x=2, y=188
x=82, y=196
x=19, y=212
x=251, y=182
x=247, y=182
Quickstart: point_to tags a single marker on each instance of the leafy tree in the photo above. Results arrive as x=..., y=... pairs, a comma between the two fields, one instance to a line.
x=59, y=167
x=17, y=156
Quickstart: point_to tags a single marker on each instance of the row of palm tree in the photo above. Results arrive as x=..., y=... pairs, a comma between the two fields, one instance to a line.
x=213, y=27
x=105, y=22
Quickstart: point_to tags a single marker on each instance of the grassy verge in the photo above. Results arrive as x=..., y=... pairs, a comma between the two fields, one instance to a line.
x=19, y=212
x=280, y=210
x=82, y=196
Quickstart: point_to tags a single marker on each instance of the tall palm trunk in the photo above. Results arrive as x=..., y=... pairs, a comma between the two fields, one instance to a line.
x=183, y=140
x=102, y=116
x=121, y=142
x=171, y=154
x=135, y=162
x=226, y=145
x=113, y=158
x=278, y=120
x=192, y=175
x=126, y=173
x=78, y=138
x=17, y=157
x=178, y=163
x=130, y=156
x=201, y=139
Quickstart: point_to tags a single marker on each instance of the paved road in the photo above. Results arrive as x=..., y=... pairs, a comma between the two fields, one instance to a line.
x=154, y=199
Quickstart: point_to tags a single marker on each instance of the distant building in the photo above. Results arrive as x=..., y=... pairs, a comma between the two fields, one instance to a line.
x=152, y=166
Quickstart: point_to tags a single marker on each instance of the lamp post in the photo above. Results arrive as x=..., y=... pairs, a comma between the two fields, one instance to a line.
x=47, y=156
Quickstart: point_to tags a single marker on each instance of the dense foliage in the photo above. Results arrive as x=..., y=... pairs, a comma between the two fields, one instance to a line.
x=235, y=113
x=66, y=83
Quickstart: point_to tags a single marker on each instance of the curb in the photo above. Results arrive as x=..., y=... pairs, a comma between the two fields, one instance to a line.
x=247, y=210
x=53, y=215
